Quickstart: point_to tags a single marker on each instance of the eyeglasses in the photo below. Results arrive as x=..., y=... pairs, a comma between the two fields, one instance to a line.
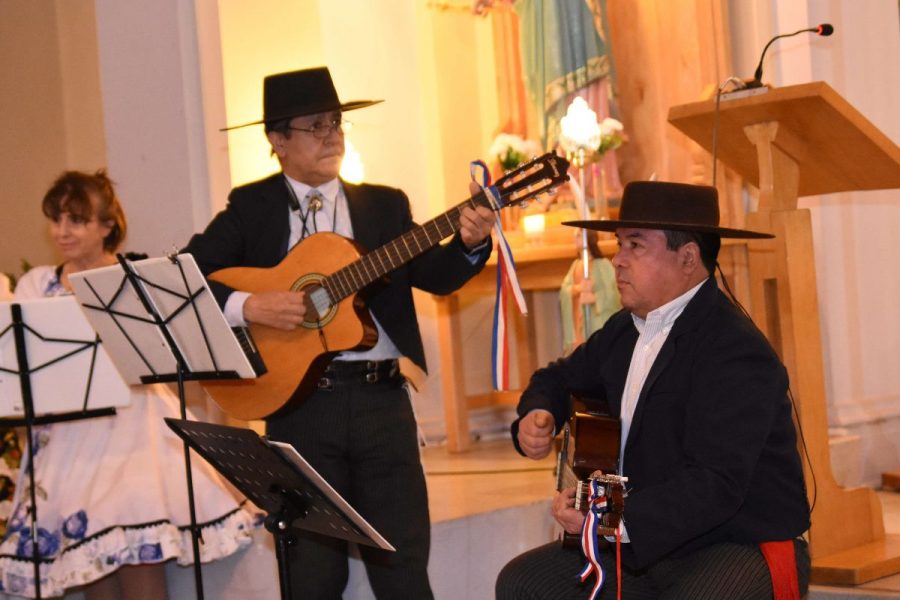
x=321, y=131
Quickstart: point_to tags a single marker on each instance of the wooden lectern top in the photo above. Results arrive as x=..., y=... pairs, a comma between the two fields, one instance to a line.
x=836, y=148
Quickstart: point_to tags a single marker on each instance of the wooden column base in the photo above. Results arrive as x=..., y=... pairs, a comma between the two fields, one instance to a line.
x=859, y=564
x=891, y=480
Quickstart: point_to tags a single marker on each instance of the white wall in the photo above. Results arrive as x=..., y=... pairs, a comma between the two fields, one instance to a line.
x=855, y=234
x=51, y=117
x=161, y=103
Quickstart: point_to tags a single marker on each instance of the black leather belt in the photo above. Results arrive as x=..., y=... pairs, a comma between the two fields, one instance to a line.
x=360, y=371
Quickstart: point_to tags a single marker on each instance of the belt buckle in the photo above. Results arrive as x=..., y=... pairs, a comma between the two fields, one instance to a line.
x=325, y=383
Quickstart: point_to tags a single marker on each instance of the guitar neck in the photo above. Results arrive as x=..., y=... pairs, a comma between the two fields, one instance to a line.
x=378, y=263
x=535, y=177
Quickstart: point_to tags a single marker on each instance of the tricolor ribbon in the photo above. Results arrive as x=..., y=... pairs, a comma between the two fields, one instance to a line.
x=506, y=281
x=590, y=540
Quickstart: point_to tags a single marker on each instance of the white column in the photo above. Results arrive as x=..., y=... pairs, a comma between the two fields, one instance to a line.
x=162, y=97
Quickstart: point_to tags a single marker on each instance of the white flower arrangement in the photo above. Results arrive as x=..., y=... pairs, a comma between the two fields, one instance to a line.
x=510, y=150
x=612, y=135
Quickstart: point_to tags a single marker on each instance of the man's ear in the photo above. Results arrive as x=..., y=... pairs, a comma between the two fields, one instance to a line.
x=689, y=257
x=276, y=139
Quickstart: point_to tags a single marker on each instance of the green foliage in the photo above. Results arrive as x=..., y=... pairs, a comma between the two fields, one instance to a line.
x=25, y=266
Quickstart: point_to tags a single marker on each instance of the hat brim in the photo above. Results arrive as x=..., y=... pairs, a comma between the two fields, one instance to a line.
x=611, y=225
x=347, y=106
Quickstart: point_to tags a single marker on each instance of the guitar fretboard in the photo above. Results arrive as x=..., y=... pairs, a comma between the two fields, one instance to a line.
x=378, y=263
x=534, y=177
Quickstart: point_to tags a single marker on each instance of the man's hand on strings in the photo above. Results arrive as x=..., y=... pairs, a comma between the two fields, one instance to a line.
x=536, y=434
x=281, y=309
x=475, y=223
x=563, y=510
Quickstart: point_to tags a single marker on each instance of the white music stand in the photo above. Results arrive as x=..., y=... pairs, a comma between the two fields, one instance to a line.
x=53, y=368
x=161, y=323
x=155, y=312
x=70, y=370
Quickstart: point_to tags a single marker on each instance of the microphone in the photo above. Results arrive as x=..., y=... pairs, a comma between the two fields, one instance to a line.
x=825, y=29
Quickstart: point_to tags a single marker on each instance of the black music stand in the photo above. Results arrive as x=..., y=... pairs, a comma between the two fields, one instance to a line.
x=39, y=358
x=279, y=481
x=162, y=324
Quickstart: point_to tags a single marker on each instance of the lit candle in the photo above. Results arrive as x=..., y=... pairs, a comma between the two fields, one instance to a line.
x=580, y=132
x=534, y=224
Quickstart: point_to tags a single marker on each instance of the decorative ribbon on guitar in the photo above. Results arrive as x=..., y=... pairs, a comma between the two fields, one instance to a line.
x=506, y=281
x=590, y=542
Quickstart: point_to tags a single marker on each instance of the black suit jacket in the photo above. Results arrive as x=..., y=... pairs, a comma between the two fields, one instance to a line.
x=711, y=454
x=253, y=231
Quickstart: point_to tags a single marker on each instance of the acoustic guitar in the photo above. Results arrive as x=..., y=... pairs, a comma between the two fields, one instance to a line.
x=590, y=451
x=332, y=271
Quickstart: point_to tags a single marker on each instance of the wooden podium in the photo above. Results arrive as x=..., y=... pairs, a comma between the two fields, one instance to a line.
x=790, y=142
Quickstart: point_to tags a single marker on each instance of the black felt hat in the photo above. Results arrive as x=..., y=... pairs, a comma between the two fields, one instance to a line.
x=299, y=93
x=674, y=206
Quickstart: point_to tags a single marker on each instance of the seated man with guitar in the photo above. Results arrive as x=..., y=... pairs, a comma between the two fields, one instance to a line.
x=714, y=498
x=332, y=386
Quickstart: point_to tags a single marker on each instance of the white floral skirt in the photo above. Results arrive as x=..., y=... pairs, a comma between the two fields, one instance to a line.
x=111, y=491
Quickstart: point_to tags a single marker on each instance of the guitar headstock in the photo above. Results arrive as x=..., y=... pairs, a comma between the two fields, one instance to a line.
x=537, y=176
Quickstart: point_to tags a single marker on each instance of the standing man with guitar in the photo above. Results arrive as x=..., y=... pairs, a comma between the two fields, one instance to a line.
x=715, y=498
x=356, y=427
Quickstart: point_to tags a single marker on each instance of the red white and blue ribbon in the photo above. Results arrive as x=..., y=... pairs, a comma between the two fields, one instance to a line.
x=507, y=282
x=590, y=541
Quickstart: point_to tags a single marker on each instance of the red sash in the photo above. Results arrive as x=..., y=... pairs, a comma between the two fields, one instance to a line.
x=783, y=569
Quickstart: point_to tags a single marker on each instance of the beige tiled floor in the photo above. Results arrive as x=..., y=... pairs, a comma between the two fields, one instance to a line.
x=490, y=477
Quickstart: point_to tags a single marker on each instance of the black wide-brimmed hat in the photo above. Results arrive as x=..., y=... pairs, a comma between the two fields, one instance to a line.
x=674, y=206
x=299, y=93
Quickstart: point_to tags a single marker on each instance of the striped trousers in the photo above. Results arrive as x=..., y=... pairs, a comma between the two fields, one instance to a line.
x=721, y=571
x=362, y=440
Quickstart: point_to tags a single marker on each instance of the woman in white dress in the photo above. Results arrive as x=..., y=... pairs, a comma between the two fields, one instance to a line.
x=111, y=491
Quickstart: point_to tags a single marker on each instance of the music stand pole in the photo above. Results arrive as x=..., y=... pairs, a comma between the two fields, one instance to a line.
x=192, y=506
x=180, y=370
x=278, y=524
x=28, y=405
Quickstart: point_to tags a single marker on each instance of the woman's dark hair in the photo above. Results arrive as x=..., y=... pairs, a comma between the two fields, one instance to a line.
x=72, y=192
x=709, y=244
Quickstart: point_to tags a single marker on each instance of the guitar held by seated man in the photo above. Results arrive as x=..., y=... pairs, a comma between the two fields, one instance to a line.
x=586, y=469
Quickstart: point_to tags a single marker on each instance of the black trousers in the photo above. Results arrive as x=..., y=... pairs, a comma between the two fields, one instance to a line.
x=733, y=571
x=361, y=437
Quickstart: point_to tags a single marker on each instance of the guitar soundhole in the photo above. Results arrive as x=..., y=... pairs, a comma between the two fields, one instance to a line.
x=319, y=309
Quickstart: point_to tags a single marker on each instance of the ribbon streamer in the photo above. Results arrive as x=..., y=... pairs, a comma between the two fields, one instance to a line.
x=507, y=281
x=590, y=542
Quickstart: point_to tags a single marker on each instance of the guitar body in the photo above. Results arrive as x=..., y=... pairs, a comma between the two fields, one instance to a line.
x=300, y=355
x=596, y=444
x=591, y=445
